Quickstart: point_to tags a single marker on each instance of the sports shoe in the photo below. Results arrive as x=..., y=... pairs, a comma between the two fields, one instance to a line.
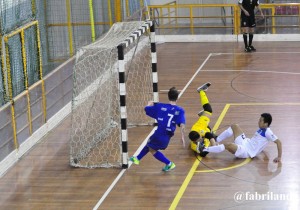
x=200, y=147
x=203, y=154
x=169, y=167
x=248, y=49
x=251, y=48
x=203, y=87
x=200, y=113
x=134, y=160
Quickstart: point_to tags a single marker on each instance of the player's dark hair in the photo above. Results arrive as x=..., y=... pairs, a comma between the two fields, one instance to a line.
x=194, y=136
x=173, y=94
x=267, y=118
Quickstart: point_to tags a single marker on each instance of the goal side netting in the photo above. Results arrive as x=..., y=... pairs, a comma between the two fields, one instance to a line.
x=113, y=79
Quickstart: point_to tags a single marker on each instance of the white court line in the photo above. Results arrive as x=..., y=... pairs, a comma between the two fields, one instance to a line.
x=122, y=172
x=145, y=141
x=254, y=53
x=257, y=71
x=198, y=70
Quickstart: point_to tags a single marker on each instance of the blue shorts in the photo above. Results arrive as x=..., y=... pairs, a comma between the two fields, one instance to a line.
x=159, y=141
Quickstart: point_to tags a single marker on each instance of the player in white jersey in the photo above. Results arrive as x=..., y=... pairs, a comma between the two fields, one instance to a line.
x=244, y=147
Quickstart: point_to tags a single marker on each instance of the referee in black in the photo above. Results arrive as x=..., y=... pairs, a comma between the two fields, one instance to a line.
x=248, y=21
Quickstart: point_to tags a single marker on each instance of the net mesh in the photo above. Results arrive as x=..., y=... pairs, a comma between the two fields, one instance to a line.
x=16, y=65
x=14, y=14
x=15, y=62
x=2, y=85
x=96, y=130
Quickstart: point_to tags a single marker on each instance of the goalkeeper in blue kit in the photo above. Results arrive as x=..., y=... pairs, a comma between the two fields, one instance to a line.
x=168, y=116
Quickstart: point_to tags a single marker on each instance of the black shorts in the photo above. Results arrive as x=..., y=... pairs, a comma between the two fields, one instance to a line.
x=248, y=21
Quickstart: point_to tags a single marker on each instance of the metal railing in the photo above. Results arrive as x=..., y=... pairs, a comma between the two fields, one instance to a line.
x=224, y=18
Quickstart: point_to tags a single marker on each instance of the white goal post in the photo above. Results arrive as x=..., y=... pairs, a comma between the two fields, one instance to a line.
x=114, y=78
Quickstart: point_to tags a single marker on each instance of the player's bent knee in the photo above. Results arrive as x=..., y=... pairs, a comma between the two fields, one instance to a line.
x=234, y=125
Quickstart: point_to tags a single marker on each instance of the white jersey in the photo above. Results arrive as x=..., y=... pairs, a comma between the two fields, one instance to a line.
x=259, y=141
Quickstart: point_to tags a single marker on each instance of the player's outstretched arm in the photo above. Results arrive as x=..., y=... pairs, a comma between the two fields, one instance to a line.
x=279, y=149
x=182, y=130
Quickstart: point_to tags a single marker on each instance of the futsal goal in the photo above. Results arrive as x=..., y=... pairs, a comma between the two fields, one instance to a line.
x=113, y=79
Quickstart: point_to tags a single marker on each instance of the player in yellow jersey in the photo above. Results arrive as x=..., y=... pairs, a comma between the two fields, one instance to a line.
x=200, y=132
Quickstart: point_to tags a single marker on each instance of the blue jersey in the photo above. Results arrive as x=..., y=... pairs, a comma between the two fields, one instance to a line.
x=167, y=117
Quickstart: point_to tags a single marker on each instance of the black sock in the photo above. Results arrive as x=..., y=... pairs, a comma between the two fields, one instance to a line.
x=250, y=39
x=245, y=39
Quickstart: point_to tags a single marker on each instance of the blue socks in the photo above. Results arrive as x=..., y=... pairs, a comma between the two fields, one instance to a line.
x=160, y=156
x=144, y=152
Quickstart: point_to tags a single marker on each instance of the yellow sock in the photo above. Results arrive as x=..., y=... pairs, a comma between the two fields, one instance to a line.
x=203, y=97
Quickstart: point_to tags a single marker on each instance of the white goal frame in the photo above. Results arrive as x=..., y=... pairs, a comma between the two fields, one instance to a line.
x=122, y=85
x=77, y=155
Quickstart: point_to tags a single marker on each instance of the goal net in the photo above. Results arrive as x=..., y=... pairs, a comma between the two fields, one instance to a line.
x=112, y=82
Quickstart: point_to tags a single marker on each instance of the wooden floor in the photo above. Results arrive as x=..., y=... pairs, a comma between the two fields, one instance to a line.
x=245, y=84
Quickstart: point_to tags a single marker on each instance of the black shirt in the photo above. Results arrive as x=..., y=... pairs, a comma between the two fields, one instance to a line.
x=249, y=5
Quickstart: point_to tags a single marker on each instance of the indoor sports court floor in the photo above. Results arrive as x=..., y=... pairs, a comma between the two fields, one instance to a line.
x=244, y=85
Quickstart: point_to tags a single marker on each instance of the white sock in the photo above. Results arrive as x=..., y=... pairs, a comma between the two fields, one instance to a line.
x=225, y=134
x=215, y=149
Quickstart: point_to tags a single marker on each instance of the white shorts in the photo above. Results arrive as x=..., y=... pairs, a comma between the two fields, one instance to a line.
x=241, y=151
